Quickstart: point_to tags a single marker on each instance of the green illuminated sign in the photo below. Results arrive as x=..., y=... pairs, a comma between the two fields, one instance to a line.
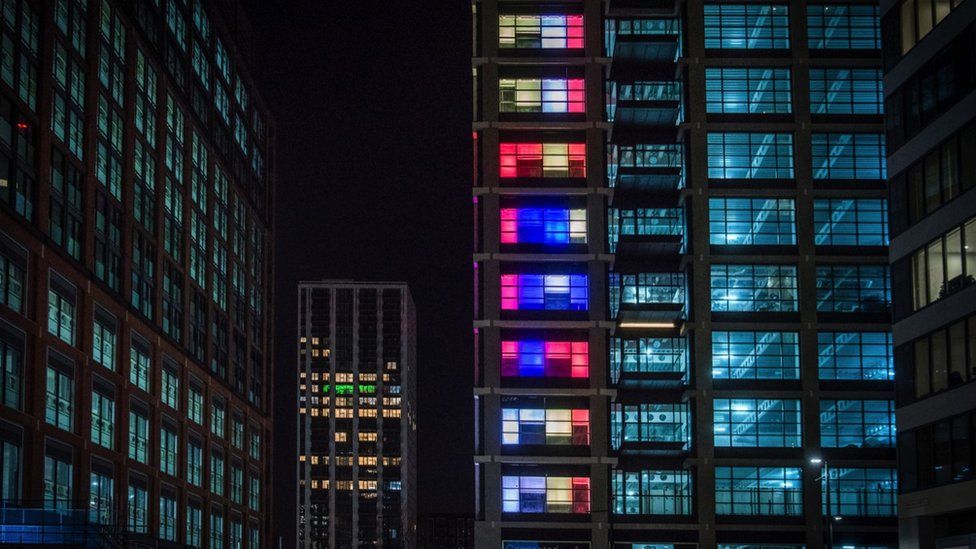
x=347, y=388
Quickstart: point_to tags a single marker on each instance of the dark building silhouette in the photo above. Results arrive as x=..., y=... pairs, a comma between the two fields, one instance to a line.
x=135, y=275
x=445, y=531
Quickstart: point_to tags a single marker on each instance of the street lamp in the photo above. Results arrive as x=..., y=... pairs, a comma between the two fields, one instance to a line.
x=829, y=517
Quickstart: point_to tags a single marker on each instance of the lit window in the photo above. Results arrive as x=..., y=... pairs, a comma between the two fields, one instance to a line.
x=945, y=265
x=755, y=355
x=747, y=91
x=544, y=426
x=545, y=359
x=853, y=288
x=844, y=27
x=846, y=91
x=747, y=26
x=857, y=423
x=542, y=160
x=545, y=494
x=649, y=423
x=750, y=422
x=861, y=492
x=751, y=221
x=169, y=448
x=848, y=156
x=540, y=31
x=758, y=491
x=545, y=95
x=850, y=222
x=648, y=354
x=550, y=292
x=754, y=288
x=648, y=492
x=543, y=226
x=741, y=155
x=855, y=355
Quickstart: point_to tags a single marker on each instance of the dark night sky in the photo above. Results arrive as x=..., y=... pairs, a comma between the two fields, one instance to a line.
x=372, y=106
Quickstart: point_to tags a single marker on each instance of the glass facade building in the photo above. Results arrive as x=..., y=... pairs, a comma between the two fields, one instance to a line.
x=357, y=416
x=683, y=290
x=931, y=134
x=136, y=261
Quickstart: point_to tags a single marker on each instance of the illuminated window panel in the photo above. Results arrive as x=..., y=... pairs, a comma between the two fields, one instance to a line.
x=855, y=355
x=755, y=355
x=546, y=359
x=549, y=292
x=844, y=27
x=543, y=226
x=545, y=426
x=759, y=491
x=848, y=156
x=850, y=221
x=747, y=26
x=751, y=221
x=846, y=91
x=857, y=423
x=746, y=155
x=857, y=492
x=540, y=31
x=542, y=160
x=754, y=288
x=747, y=90
x=545, y=95
x=751, y=422
x=545, y=494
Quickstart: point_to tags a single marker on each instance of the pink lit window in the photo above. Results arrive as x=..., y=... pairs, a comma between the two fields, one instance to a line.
x=545, y=95
x=540, y=31
x=533, y=358
x=542, y=160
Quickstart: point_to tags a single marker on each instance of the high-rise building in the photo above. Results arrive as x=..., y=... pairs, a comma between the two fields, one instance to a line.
x=357, y=416
x=682, y=314
x=135, y=273
x=930, y=104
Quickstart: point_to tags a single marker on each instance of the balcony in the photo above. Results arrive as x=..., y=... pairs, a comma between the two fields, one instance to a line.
x=650, y=429
x=647, y=236
x=647, y=299
x=645, y=174
x=643, y=41
x=649, y=362
x=644, y=104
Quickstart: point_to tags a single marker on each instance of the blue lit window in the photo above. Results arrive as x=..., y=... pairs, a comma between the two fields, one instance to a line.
x=850, y=222
x=861, y=492
x=855, y=355
x=759, y=221
x=755, y=355
x=758, y=491
x=648, y=354
x=853, y=288
x=846, y=91
x=543, y=226
x=649, y=423
x=739, y=155
x=844, y=27
x=848, y=156
x=857, y=423
x=550, y=292
x=747, y=90
x=752, y=26
x=754, y=288
x=649, y=288
x=753, y=422
x=648, y=492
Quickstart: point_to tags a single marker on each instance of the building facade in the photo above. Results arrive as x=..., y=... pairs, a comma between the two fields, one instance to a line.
x=930, y=99
x=357, y=417
x=682, y=322
x=135, y=271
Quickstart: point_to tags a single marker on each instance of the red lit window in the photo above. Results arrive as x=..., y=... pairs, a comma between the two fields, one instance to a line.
x=542, y=160
x=532, y=358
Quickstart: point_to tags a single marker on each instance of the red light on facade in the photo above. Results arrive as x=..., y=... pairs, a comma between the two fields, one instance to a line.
x=22, y=126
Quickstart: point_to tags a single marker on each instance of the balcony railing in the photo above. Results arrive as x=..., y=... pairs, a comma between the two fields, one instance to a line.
x=647, y=95
x=664, y=30
x=644, y=157
x=650, y=427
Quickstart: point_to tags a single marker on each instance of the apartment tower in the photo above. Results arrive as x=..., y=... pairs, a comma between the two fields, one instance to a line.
x=930, y=103
x=357, y=416
x=681, y=272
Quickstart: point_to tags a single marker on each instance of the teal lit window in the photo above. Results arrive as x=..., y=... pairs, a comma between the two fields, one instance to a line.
x=103, y=419
x=108, y=241
x=216, y=473
x=652, y=492
x=195, y=405
x=138, y=436
x=194, y=463
x=755, y=355
x=102, y=498
x=650, y=423
x=59, y=397
x=169, y=450
x=237, y=433
x=145, y=99
x=66, y=212
x=853, y=288
x=754, y=288
x=744, y=90
x=254, y=493
x=236, y=534
x=236, y=484
x=254, y=449
x=108, y=150
x=857, y=492
x=61, y=310
x=759, y=491
x=71, y=19
x=850, y=222
x=753, y=422
x=104, y=338
x=167, y=517
x=855, y=355
x=138, y=507
x=172, y=310
x=846, y=91
x=170, y=394
x=18, y=161
x=11, y=367
x=142, y=274
x=844, y=26
x=13, y=270
x=194, y=523
x=58, y=479
x=646, y=289
x=848, y=156
x=10, y=468
x=140, y=366
x=747, y=26
x=216, y=528
x=742, y=155
x=19, y=48
x=751, y=221
x=857, y=423
x=254, y=536
x=648, y=354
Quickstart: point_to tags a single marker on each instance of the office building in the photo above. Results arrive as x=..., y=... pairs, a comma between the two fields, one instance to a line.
x=930, y=103
x=682, y=323
x=357, y=416
x=135, y=273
